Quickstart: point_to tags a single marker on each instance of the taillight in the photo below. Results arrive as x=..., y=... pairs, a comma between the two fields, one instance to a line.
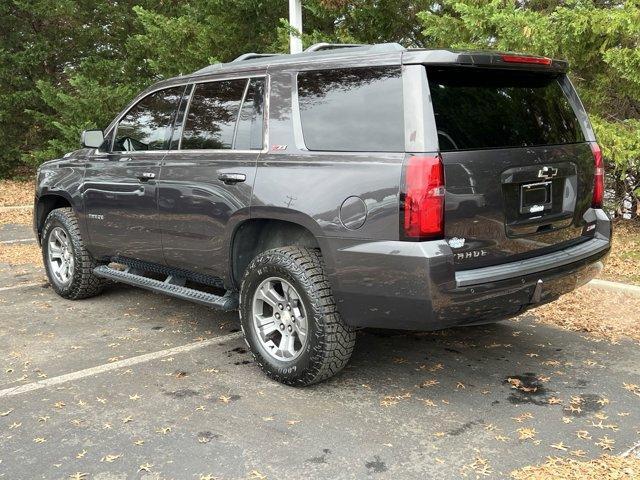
x=423, y=205
x=598, y=176
x=526, y=59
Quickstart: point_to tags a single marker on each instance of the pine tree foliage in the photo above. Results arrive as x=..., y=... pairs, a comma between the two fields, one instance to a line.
x=601, y=41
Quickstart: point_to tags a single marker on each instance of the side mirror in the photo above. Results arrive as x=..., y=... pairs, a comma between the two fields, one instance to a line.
x=92, y=138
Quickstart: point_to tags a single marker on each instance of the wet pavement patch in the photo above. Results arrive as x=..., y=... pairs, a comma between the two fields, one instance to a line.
x=585, y=404
x=239, y=350
x=526, y=388
x=464, y=427
x=376, y=465
x=321, y=458
x=581, y=384
x=206, y=437
x=182, y=393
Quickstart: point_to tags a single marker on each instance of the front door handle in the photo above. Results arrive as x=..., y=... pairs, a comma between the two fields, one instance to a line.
x=232, y=178
x=146, y=176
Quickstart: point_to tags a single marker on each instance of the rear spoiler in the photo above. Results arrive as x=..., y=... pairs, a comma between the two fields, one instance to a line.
x=504, y=60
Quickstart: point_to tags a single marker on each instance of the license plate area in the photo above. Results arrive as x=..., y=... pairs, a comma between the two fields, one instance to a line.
x=536, y=198
x=553, y=199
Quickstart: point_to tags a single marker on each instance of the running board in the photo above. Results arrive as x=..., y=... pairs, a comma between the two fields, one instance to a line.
x=172, y=286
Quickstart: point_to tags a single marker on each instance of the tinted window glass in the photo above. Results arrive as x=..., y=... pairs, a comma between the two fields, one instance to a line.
x=212, y=115
x=179, y=121
x=147, y=126
x=477, y=109
x=357, y=109
x=249, y=133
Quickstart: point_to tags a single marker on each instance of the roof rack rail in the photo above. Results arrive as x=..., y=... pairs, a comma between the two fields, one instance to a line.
x=250, y=56
x=308, y=54
x=332, y=46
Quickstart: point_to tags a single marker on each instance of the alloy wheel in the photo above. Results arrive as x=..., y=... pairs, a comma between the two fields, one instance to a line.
x=279, y=319
x=60, y=255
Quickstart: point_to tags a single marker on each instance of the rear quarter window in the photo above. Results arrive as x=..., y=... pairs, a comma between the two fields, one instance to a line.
x=479, y=109
x=352, y=109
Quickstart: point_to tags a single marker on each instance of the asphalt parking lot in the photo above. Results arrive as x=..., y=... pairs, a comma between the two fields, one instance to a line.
x=133, y=385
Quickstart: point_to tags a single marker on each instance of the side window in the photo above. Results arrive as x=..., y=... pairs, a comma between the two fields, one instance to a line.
x=147, y=125
x=352, y=109
x=212, y=115
x=249, y=131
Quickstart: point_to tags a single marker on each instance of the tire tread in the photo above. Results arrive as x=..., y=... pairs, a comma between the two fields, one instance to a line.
x=336, y=339
x=84, y=283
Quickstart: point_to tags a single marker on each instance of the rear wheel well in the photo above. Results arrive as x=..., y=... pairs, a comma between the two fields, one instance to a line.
x=46, y=205
x=256, y=236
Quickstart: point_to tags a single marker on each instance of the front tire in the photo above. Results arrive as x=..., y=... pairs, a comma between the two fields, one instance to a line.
x=289, y=317
x=68, y=264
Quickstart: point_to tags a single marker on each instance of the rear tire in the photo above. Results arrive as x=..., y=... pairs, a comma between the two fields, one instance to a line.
x=68, y=264
x=321, y=342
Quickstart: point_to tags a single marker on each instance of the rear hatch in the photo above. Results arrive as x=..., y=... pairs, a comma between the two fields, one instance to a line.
x=518, y=171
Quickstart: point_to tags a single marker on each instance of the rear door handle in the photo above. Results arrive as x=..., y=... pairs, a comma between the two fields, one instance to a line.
x=232, y=178
x=146, y=176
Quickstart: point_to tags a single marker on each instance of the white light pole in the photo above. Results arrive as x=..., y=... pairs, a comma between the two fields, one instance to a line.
x=295, y=20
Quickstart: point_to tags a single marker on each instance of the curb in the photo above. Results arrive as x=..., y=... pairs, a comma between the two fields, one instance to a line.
x=634, y=450
x=615, y=287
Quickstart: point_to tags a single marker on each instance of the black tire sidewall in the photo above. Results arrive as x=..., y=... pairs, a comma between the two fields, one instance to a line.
x=58, y=219
x=295, y=371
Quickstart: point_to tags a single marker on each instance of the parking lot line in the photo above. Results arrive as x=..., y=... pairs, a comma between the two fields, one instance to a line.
x=15, y=207
x=19, y=240
x=634, y=449
x=22, y=285
x=88, y=372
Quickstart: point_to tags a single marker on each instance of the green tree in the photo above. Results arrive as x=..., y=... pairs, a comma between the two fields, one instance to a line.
x=601, y=40
x=64, y=65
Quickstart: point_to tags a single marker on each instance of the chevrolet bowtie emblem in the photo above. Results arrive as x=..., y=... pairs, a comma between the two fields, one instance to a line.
x=547, y=172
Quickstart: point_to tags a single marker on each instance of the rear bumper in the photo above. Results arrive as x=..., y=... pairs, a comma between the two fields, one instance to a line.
x=414, y=286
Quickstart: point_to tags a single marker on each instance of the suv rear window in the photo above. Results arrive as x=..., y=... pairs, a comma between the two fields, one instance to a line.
x=478, y=109
x=352, y=109
x=249, y=128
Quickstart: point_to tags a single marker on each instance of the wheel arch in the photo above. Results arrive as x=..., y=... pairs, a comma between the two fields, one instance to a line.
x=257, y=235
x=46, y=204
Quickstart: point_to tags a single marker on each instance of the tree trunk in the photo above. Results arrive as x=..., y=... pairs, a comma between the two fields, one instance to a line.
x=629, y=203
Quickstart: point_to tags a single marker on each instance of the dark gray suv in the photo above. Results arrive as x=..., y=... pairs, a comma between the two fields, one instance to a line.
x=344, y=187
